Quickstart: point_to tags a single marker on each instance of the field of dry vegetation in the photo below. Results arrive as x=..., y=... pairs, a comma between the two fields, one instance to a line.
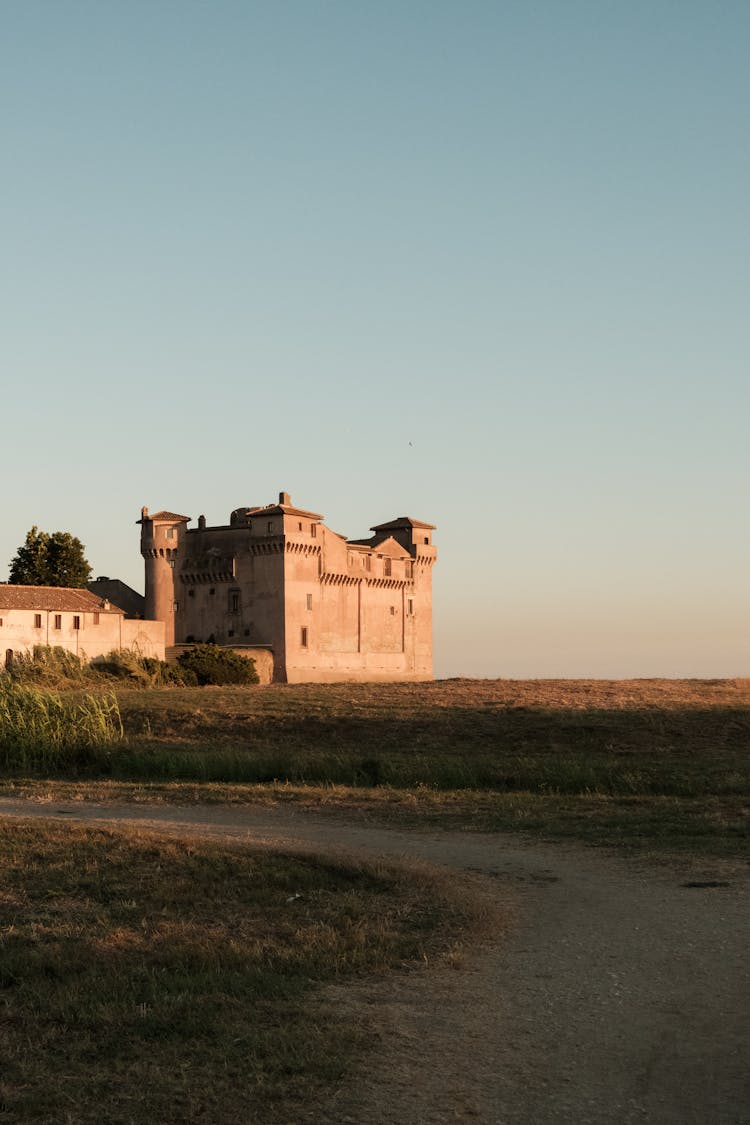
x=151, y=979
x=646, y=763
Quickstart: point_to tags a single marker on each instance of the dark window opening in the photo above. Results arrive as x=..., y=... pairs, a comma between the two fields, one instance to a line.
x=76, y=622
x=58, y=621
x=37, y=620
x=303, y=636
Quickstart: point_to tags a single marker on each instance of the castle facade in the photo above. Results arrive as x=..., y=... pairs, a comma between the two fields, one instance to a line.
x=276, y=580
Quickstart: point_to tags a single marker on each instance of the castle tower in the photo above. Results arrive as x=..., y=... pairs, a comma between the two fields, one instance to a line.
x=160, y=544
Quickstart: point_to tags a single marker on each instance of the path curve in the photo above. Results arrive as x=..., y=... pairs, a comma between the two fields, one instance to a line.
x=620, y=993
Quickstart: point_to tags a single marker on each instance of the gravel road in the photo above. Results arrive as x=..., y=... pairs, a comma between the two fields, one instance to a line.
x=619, y=992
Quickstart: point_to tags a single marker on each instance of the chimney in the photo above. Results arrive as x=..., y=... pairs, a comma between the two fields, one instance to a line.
x=285, y=498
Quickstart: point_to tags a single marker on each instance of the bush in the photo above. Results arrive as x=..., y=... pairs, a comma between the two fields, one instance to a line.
x=213, y=665
x=46, y=665
x=141, y=671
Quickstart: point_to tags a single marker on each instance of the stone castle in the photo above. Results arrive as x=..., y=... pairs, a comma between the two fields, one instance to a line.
x=307, y=603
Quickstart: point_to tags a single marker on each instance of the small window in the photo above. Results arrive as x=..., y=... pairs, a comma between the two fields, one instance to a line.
x=170, y=533
x=247, y=632
x=212, y=590
x=313, y=530
x=368, y=562
x=1, y=622
x=37, y=620
x=96, y=617
x=269, y=526
x=387, y=567
x=408, y=569
x=393, y=611
x=299, y=526
x=58, y=621
x=303, y=636
x=76, y=621
x=234, y=601
x=191, y=593
x=309, y=601
x=410, y=607
x=230, y=632
x=426, y=539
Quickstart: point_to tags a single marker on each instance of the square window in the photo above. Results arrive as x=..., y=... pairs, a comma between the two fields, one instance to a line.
x=58, y=621
x=37, y=620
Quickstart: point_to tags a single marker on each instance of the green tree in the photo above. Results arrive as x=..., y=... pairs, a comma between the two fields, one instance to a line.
x=50, y=560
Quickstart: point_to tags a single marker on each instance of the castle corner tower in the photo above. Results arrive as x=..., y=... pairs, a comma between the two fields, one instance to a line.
x=160, y=543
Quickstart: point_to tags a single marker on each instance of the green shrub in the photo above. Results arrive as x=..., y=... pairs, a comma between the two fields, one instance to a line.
x=40, y=729
x=46, y=665
x=211, y=664
x=143, y=671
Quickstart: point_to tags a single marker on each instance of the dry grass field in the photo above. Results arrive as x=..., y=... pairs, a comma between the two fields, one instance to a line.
x=152, y=979
x=645, y=763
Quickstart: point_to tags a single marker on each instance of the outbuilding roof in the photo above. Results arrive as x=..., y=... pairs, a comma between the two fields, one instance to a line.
x=56, y=598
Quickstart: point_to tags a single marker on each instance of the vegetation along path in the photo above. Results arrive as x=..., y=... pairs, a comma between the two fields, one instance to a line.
x=619, y=991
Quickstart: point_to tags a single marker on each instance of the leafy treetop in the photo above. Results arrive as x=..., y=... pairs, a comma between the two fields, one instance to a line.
x=50, y=560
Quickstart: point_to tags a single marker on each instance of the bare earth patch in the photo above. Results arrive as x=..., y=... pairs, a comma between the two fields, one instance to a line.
x=620, y=992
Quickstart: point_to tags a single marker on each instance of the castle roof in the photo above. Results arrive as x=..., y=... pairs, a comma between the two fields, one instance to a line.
x=285, y=510
x=145, y=515
x=401, y=521
x=57, y=598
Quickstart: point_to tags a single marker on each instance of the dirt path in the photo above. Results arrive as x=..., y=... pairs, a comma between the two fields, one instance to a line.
x=620, y=992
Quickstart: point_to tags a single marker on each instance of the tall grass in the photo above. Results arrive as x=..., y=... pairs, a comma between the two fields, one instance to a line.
x=42, y=730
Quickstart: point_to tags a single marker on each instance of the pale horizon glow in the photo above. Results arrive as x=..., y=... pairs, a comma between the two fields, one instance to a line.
x=486, y=265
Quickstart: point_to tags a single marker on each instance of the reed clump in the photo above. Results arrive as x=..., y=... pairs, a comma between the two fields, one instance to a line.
x=41, y=729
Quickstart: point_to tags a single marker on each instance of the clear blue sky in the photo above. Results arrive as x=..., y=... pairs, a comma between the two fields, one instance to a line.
x=486, y=264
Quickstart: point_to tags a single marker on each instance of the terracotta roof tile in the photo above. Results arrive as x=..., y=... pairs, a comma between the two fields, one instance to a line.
x=166, y=516
x=57, y=598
